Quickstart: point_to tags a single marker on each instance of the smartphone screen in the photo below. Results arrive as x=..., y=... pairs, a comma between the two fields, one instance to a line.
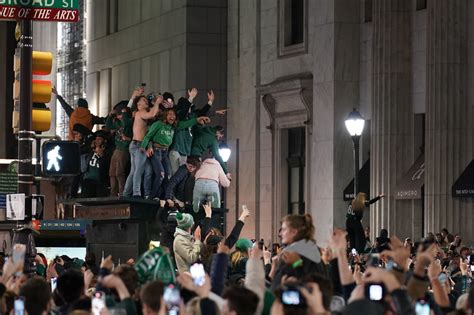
x=172, y=297
x=375, y=292
x=442, y=278
x=291, y=297
x=98, y=302
x=19, y=306
x=422, y=308
x=198, y=274
x=53, y=284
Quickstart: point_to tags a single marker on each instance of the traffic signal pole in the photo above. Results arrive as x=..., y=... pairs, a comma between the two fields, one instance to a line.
x=25, y=135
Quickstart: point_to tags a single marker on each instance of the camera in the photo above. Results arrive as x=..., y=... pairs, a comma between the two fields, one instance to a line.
x=291, y=296
x=375, y=291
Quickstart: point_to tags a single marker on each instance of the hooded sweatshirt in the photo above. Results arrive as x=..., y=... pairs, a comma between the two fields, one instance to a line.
x=211, y=169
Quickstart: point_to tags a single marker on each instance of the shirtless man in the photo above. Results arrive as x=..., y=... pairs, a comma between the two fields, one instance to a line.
x=138, y=158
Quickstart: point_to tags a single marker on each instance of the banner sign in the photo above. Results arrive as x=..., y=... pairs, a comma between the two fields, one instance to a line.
x=40, y=10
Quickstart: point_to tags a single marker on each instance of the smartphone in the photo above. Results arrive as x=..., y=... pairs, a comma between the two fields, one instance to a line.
x=472, y=268
x=18, y=254
x=98, y=302
x=422, y=307
x=54, y=282
x=198, y=274
x=19, y=306
x=143, y=84
x=354, y=252
x=244, y=207
x=442, y=277
x=291, y=296
x=374, y=291
x=172, y=297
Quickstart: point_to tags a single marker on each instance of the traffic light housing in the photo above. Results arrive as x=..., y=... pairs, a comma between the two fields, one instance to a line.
x=41, y=91
x=61, y=158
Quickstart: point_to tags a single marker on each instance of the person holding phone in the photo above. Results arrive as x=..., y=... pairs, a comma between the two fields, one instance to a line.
x=34, y=297
x=151, y=296
x=186, y=248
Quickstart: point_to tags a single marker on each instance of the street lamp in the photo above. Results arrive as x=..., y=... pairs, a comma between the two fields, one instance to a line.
x=355, y=126
x=224, y=152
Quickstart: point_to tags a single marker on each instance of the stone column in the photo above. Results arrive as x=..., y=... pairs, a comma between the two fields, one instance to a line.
x=392, y=114
x=448, y=131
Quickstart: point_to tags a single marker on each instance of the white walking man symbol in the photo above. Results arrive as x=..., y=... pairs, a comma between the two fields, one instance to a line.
x=53, y=157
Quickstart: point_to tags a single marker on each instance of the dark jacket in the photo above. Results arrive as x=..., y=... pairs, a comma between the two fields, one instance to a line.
x=183, y=138
x=204, y=139
x=219, y=272
x=176, y=184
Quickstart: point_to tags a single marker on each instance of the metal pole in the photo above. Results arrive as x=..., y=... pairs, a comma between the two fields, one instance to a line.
x=355, y=141
x=25, y=135
x=38, y=165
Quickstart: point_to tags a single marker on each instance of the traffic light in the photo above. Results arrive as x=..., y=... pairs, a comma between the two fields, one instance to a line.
x=61, y=158
x=41, y=91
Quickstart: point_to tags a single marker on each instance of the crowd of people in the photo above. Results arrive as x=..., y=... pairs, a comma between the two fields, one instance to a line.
x=173, y=156
x=151, y=148
x=198, y=270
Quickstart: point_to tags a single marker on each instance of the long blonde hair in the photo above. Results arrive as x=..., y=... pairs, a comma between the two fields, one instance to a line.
x=358, y=203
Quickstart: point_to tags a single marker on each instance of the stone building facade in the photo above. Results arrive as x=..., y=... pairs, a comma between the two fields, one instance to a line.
x=290, y=71
x=391, y=61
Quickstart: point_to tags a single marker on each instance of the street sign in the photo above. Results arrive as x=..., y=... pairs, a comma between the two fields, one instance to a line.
x=40, y=10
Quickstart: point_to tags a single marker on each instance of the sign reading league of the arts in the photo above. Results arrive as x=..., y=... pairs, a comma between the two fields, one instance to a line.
x=40, y=10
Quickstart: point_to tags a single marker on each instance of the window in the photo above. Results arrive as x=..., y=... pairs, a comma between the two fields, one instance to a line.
x=367, y=11
x=292, y=27
x=420, y=5
x=296, y=170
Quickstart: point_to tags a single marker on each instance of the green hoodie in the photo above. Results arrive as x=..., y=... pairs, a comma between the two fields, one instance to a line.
x=204, y=138
x=121, y=127
x=162, y=133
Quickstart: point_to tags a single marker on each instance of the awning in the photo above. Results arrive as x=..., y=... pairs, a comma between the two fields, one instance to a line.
x=412, y=182
x=364, y=182
x=464, y=186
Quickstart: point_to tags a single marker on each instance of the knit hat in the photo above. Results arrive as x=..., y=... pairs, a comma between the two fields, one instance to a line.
x=214, y=240
x=243, y=244
x=185, y=220
x=82, y=103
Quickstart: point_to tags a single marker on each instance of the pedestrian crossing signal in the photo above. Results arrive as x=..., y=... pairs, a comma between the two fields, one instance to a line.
x=61, y=158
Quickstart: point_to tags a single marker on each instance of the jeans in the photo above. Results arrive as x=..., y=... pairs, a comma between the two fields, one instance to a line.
x=176, y=160
x=161, y=168
x=206, y=189
x=139, y=166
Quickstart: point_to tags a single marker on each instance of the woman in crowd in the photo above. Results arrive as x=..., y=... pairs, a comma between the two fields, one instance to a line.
x=301, y=254
x=354, y=227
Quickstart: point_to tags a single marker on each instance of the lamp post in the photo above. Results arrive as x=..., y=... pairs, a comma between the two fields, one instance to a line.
x=224, y=152
x=355, y=126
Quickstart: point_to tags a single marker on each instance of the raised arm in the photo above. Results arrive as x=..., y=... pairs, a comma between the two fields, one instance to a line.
x=67, y=108
x=373, y=200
